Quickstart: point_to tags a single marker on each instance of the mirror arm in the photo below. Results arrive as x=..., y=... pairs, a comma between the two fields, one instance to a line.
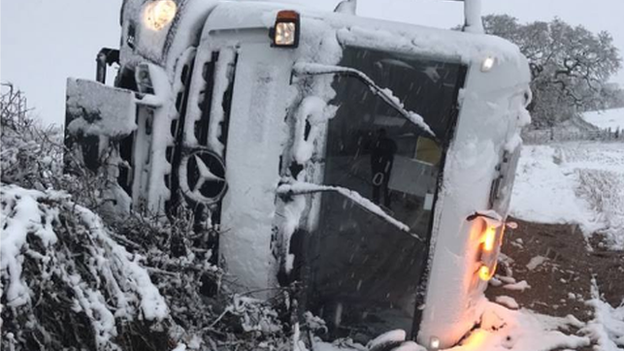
x=313, y=69
x=288, y=190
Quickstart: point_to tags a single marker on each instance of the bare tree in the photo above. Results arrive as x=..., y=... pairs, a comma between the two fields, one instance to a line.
x=569, y=65
x=14, y=109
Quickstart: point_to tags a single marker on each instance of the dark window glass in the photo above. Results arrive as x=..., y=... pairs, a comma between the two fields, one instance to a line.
x=364, y=270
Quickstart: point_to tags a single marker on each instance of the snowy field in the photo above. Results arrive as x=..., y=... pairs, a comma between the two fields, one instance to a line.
x=575, y=183
x=613, y=119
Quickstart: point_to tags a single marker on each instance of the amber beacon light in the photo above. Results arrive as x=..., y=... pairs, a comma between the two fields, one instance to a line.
x=285, y=34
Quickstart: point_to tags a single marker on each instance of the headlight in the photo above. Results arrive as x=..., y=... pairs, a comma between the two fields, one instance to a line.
x=159, y=13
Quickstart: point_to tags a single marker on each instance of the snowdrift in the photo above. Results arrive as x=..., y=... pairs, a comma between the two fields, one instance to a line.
x=573, y=183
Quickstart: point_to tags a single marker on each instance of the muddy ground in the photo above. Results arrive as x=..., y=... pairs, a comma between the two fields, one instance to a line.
x=562, y=281
x=570, y=264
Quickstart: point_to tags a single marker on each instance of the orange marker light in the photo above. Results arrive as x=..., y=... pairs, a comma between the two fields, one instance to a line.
x=485, y=274
x=476, y=340
x=490, y=239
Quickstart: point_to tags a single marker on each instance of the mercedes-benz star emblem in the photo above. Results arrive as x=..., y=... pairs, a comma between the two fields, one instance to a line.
x=202, y=176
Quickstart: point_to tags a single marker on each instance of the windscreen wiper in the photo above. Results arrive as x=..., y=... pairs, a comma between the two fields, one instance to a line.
x=302, y=188
x=312, y=69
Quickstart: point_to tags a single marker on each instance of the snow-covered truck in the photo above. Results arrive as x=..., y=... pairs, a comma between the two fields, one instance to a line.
x=370, y=161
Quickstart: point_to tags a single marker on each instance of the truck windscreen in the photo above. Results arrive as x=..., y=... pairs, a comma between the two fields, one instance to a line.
x=364, y=273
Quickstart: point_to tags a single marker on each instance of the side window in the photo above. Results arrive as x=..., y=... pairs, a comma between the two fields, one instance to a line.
x=365, y=271
x=377, y=152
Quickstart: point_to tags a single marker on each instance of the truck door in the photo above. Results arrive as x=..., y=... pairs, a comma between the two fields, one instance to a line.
x=256, y=135
x=364, y=274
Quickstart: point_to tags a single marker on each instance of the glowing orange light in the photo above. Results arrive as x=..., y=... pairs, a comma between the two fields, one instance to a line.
x=158, y=14
x=490, y=239
x=485, y=273
x=475, y=340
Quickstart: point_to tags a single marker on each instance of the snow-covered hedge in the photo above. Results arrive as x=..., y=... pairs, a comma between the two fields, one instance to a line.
x=78, y=277
x=67, y=284
x=205, y=313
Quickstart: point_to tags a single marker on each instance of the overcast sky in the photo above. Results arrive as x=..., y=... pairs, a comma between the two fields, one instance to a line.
x=45, y=41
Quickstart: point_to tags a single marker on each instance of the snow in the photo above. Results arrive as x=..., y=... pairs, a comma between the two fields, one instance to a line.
x=507, y=280
x=367, y=32
x=256, y=138
x=608, y=119
x=523, y=330
x=428, y=41
x=191, y=18
x=495, y=282
x=292, y=213
x=472, y=12
x=16, y=223
x=607, y=327
x=507, y=301
x=578, y=183
x=113, y=272
x=501, y=329
x=300, y=188
x=386, y=338
x=410, y=346
x=165, y=46
x=347, y=7
x=535, y=262
x=544, y=191
x=157, y=190
x=519, y=286
x=89, y=101
x=224, y=72
x=312, y=110
x=221, y=80
x=514, y=142
x=152, y=303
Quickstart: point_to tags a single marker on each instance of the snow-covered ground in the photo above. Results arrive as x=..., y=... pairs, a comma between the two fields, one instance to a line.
x=613, y=118
x=502, y=329
x=575, y=183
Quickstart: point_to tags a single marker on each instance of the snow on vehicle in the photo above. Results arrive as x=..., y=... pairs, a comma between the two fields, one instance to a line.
x=371, y=161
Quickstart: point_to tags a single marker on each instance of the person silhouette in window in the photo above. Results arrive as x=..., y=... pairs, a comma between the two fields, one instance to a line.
x=382, y=159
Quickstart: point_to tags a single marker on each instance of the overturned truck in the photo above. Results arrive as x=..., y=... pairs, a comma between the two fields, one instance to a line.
x=370, y=161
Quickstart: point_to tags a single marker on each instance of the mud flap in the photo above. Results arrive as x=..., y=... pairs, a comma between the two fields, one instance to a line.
x=95, y=114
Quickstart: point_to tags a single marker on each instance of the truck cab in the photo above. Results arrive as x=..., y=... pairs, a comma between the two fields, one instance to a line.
x=370, y=162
